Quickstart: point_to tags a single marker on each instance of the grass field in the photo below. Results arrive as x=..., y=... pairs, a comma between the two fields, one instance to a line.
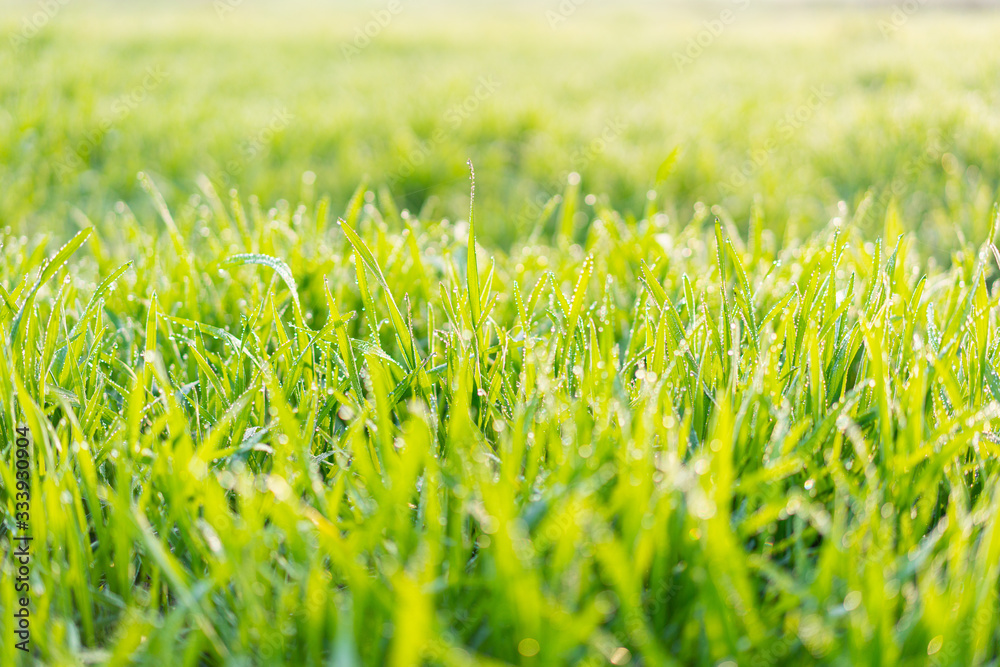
x=701, y=370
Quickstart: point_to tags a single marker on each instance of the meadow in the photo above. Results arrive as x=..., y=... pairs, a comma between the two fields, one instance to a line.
x=697, y=366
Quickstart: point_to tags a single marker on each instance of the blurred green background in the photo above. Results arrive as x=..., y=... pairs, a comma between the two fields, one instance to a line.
x=802, y=108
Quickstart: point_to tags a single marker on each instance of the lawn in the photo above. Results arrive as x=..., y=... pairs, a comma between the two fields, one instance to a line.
x=697, y=366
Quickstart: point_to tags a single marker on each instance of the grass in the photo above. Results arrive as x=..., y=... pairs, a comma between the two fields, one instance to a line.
x=376, y=442
x=81, y=114
x=372, y=427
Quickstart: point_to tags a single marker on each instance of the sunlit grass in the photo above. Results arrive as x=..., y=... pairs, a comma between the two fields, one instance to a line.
x=276, y=439
x=706, y=374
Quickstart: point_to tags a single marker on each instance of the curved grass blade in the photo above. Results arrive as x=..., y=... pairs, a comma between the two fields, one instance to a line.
x=50, y=268
x=279, y=266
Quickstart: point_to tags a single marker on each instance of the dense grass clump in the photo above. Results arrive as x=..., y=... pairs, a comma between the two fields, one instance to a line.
x=644, y=441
